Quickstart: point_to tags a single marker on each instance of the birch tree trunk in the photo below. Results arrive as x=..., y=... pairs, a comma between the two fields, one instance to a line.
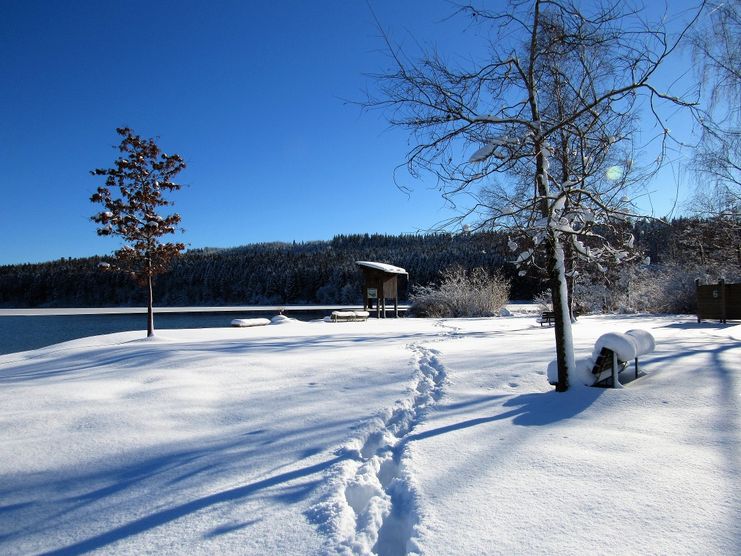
x=562, y=329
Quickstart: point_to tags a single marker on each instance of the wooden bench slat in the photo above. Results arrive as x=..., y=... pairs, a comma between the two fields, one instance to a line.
x=547, y=317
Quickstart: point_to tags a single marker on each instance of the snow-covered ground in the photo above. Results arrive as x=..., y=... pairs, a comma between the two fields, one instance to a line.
x=392, y=436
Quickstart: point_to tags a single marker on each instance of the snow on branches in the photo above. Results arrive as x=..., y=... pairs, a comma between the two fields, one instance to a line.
x=549, y=116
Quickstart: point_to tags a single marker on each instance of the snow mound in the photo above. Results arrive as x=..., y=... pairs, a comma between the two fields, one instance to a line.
x=643, y=340
x=582, y=375
x=628, y=346
x=243, y=323
x=622, y=344
x=155, y=339
x=281, y=319
x=337, y=316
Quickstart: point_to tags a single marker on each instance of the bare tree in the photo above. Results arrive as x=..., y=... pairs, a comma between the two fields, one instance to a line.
x=142, y=175
x=593, y=152
x=717, y=161
x=539, y=124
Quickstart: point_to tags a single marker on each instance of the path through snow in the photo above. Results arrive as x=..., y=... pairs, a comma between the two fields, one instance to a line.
x=370, y=505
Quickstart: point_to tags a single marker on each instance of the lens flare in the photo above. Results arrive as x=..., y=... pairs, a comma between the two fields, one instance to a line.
x=614, y=173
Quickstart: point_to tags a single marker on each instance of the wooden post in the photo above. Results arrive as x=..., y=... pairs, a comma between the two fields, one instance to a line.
x=615, y=381
x=722, y=286
x=379, y=289
x=697, y=297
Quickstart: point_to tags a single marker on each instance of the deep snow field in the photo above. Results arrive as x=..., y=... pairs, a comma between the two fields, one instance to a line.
x=392, y=436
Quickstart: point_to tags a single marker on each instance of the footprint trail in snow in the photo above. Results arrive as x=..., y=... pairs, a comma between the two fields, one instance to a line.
x=369, y=506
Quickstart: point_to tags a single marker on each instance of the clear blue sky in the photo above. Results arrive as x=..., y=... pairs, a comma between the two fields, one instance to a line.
x=251, y=94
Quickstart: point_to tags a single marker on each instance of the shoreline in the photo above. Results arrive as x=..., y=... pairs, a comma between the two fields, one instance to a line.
x=72, y=311
x=521, y=307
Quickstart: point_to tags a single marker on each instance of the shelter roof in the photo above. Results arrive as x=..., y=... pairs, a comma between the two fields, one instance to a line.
x=391, y=269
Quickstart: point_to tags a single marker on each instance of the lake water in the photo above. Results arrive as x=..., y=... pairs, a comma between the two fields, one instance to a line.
x=21, y=333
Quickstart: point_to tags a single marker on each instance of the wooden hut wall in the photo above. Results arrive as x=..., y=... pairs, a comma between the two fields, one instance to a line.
x=719, y=301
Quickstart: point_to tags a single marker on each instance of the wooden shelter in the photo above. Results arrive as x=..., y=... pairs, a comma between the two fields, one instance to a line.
x=380, y=282
x=718, y=301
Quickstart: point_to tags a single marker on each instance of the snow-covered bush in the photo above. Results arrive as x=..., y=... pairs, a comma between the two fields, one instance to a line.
x=591, y=297
x=477, y=293
x=660, y=289
x=665, y=288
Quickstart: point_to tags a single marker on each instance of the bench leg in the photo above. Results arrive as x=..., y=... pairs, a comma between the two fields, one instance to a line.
x=615, y=381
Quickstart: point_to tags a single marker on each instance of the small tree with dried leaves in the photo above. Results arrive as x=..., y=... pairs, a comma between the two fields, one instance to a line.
x=132, y=197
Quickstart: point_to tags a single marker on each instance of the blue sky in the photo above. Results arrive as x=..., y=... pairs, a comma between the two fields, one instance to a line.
x=252, y=95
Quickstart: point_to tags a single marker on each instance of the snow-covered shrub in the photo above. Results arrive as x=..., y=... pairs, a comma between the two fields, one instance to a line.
x=591, y=297
x=660, y=289
x=461, y=294
x=665, y=288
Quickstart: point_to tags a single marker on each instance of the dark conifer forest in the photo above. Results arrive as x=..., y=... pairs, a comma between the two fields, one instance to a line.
x=260, y=274
x=322, y=272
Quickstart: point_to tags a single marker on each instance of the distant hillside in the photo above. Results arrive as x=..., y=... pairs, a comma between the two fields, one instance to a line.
x=266, y=273
x=323, y=271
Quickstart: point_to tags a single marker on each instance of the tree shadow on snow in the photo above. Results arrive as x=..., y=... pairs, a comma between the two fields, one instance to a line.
x=224, y=529
x=168, y=484
x=177, y=511
x=529, y=410
x=550, y=407
x=699, y=325
x=136, y=355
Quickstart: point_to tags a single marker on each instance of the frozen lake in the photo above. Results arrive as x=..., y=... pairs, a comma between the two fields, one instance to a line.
x=24, y=329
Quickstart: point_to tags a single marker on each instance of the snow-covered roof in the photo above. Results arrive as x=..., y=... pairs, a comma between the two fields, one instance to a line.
x=382, y=266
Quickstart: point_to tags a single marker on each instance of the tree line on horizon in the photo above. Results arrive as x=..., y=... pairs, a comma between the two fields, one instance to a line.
x=324, y=272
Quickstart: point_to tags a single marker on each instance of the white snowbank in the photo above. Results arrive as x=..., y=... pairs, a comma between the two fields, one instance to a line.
x=347, y=315
x=643, y=340
x=628, y=346
x=582, y=375
x=282, y=319
x=243, y=323
x=621, y=344
x=398, y=436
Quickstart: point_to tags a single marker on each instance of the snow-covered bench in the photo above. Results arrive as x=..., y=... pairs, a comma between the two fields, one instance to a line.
x=349, y=316
x=613, y=351
x=547, y=317
x=243, y=323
